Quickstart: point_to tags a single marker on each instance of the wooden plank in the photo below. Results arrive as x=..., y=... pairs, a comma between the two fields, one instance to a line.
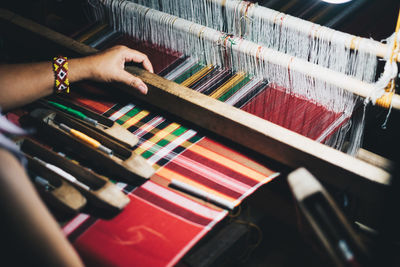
x=331, y=166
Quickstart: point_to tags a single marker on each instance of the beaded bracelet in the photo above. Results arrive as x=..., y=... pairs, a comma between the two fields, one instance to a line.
x=60, y=67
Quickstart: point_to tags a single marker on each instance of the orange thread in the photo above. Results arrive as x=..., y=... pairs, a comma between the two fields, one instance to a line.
x=247, y=8
x=385, y=100
x=258, y=53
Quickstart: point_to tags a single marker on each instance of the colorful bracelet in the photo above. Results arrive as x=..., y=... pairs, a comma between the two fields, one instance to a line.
x=60, y=66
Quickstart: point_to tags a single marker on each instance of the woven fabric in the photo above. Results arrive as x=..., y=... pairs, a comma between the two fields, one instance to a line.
x=186, y=156
x=145, y=233
x=296, y=114
x=160, y=140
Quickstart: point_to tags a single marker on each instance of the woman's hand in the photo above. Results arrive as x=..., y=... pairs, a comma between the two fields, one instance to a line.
x=24, y=83
x=108, y=66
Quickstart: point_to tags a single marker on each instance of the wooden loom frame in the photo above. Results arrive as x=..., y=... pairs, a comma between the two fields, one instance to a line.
x=363, y=180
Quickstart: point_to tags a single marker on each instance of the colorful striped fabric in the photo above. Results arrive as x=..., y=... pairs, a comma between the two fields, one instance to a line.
x=144, y=233
x=182, y=154
x=156, y=229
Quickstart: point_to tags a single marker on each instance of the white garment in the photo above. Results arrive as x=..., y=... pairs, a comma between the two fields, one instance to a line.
x=8, y=128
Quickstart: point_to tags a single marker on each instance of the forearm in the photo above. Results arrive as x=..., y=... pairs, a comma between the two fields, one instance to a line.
x=27, y=220
x=24, y=83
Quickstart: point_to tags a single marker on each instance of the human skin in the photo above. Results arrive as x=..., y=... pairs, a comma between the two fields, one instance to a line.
x=24, y=83
x=30, y=235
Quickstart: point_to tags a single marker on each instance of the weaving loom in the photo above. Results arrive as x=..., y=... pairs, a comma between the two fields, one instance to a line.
x=301, y=45
x=181, y=153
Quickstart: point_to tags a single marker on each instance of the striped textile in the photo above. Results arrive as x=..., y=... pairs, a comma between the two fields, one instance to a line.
x=146, y=232
x=160, y=140
x=295, y=113
x=182, y=154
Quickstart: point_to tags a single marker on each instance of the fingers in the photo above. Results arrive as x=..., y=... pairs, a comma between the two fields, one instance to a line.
x=132, y=81
x=136, y=56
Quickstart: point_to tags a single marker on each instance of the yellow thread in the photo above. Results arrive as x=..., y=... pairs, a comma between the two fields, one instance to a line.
x=161, y=134
x=197, y=76
x=353, y=42
x=228, y=85
x=173, y=21
x=135, y=119
x=385, y=100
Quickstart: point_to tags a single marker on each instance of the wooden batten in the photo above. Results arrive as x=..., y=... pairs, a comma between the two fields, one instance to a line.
x=64, y=196
x=102, y=194
x=117, y=168
x=364, y=181
x=262, y=136
x=106, y=126
x=118, y=149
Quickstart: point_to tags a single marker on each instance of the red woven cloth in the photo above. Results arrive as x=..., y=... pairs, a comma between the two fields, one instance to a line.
x=295, y=113
x=156, y=229
x=159, y=225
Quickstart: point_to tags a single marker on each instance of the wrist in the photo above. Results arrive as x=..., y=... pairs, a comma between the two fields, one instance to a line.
x=80, y=69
